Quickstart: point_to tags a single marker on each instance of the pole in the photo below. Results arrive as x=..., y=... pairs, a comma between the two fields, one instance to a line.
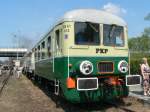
x=17, y=47
x=129, y=61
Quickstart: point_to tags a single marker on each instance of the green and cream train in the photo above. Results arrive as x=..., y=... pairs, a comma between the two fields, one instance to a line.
x=85, y=55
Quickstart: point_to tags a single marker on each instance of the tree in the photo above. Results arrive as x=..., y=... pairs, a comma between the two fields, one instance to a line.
x=146, y=32
x=22, y=41
x=26, y=42
x=147, y=17
x=141, y=46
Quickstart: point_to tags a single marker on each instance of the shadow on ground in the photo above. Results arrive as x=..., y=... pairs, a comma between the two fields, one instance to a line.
x=138, y=92
x=70, y=107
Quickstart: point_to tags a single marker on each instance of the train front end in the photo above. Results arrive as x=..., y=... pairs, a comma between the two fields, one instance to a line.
x=96, y=59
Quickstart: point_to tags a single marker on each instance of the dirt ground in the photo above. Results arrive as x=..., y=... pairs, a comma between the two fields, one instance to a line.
x=22, y=95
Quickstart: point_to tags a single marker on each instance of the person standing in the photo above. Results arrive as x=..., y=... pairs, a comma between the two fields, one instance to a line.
x=19, y=72
x=145, y=71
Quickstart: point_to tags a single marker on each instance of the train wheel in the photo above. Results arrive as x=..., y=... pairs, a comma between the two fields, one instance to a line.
x=35, y=78
x=43, y=82
x=50, y=86
x=40, y=80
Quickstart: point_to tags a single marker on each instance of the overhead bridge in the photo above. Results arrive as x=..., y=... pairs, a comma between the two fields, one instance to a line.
x=12, y=52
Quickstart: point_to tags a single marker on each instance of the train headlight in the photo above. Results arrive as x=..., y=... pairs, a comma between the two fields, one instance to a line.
x=86, y=67
x=123, y=66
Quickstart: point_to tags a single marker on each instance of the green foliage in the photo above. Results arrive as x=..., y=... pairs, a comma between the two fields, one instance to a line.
x=135, y=66
x=146, y=32
x=136, y=60
x=139, y=48
x=139, y=44
x=147, y=17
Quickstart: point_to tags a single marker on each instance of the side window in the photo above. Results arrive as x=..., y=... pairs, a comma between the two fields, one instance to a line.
x=57, y=39
x=49, y=46
x=35, y=55
x=43, y=50
x=39, y=52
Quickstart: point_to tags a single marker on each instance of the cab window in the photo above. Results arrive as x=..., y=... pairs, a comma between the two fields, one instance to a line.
x=113, y=35
x=87, y=33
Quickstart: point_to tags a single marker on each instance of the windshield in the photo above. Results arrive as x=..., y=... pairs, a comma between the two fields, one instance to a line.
x=86, y=33
x=113, y=35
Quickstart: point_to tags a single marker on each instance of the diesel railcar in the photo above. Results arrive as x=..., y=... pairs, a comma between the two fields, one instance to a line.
x=85, y=55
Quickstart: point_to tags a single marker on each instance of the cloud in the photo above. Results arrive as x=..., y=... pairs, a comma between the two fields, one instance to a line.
x=114, y=9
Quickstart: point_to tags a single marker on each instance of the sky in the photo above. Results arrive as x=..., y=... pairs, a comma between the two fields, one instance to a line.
x=33, y=18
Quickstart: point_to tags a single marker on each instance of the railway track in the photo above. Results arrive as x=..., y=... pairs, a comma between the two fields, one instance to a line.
x=128, y=104
x=122, y=107
x=117, y=105
x=4, y=80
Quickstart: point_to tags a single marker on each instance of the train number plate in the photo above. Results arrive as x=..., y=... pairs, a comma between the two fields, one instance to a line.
x=133, y=80
x=84, y=84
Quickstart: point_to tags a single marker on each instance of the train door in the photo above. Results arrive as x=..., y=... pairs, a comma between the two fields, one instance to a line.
x=33, y=60
x=58, y=42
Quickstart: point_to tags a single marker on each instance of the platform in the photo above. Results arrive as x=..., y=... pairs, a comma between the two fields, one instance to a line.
x=137, y=91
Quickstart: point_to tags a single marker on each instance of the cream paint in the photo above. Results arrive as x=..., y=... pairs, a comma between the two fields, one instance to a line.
x=83, y=50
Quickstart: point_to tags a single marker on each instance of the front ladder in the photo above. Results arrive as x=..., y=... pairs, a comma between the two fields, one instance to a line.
x=56, y=87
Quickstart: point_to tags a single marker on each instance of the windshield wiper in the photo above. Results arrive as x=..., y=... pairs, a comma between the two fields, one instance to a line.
x=93, y=27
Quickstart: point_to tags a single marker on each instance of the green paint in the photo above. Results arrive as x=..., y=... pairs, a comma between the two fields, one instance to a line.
x=44, y=69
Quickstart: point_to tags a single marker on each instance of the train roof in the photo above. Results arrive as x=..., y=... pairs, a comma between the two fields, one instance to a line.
x=92, y=15
x=88, y=15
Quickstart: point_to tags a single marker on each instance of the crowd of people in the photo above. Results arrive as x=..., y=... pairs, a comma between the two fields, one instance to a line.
x=17, y=71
